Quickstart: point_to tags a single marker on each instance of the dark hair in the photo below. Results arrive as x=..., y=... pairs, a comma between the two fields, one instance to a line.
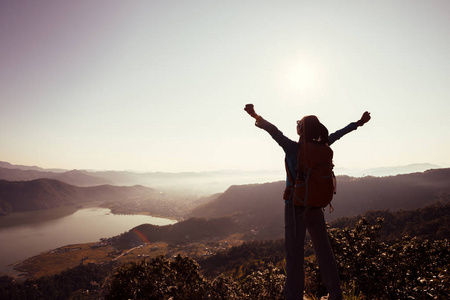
x=313, y=131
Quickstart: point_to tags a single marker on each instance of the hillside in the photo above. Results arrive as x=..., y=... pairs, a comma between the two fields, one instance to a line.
x=257, y=206
x=39, y=194
x=189, y=231
x=429, y=222
x=262, y=204
x=409, y=191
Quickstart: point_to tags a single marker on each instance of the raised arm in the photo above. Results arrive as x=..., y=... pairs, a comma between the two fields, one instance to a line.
x=274, y=132
x=349, y=128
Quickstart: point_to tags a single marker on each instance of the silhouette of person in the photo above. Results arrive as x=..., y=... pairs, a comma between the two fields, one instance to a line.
x=297, y=218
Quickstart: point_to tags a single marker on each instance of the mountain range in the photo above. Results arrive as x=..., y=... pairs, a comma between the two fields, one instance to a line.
x=257, y=207
x=388, y=171
x=261, y=205
x=73, y=177
x=257, y=211
x=8, y=165
x=198, y=183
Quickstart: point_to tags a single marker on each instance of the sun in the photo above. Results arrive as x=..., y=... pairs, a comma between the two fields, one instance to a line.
x=300, y=76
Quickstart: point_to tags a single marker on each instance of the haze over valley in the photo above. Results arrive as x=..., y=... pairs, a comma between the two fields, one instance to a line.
x=258, y=205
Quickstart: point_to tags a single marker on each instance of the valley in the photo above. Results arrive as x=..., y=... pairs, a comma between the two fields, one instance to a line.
x=228, y=233
x=239, y=266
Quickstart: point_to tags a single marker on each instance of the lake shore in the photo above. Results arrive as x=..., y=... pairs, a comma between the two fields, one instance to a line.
x=31, y=233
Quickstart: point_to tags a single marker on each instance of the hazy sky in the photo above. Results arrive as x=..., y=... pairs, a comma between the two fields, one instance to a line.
x=161, y=85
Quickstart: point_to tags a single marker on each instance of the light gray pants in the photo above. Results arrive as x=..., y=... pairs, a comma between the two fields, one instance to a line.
x=297, y=220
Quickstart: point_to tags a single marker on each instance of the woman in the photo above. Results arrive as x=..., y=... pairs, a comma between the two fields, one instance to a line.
x=298, y=218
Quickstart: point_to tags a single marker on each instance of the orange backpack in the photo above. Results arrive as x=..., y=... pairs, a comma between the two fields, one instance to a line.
x=315, y=184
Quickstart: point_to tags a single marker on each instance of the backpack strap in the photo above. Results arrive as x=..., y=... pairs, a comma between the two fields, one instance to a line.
x=302, y=168
x=301, y=175
x=292, y=195
x=291, y=178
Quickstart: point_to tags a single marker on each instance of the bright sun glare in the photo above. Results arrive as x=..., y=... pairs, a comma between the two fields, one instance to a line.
x=300, y=76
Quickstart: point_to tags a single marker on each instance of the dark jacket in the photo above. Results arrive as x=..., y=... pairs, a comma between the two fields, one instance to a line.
x=290, y=147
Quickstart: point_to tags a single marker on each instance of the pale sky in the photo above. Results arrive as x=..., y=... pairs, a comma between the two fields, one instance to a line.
x=161, y=85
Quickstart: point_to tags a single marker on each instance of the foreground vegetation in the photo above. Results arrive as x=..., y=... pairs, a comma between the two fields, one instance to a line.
x=409, y=268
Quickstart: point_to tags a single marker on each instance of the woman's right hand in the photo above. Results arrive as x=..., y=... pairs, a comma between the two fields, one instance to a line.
x=250, y=110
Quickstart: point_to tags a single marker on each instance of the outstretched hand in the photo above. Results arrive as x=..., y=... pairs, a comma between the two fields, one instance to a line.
x=250, y=110
x=364, y=119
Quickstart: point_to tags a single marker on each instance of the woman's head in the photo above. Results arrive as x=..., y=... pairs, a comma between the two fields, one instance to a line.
x=310, y=129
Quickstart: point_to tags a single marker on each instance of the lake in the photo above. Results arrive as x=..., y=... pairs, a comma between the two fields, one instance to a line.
x=26, y=234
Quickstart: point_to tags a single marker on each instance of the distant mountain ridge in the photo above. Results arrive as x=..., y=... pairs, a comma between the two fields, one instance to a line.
x=201, y=183
x=7, y=165
x=390, y=171
x=73, y=177
x=16, y=196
